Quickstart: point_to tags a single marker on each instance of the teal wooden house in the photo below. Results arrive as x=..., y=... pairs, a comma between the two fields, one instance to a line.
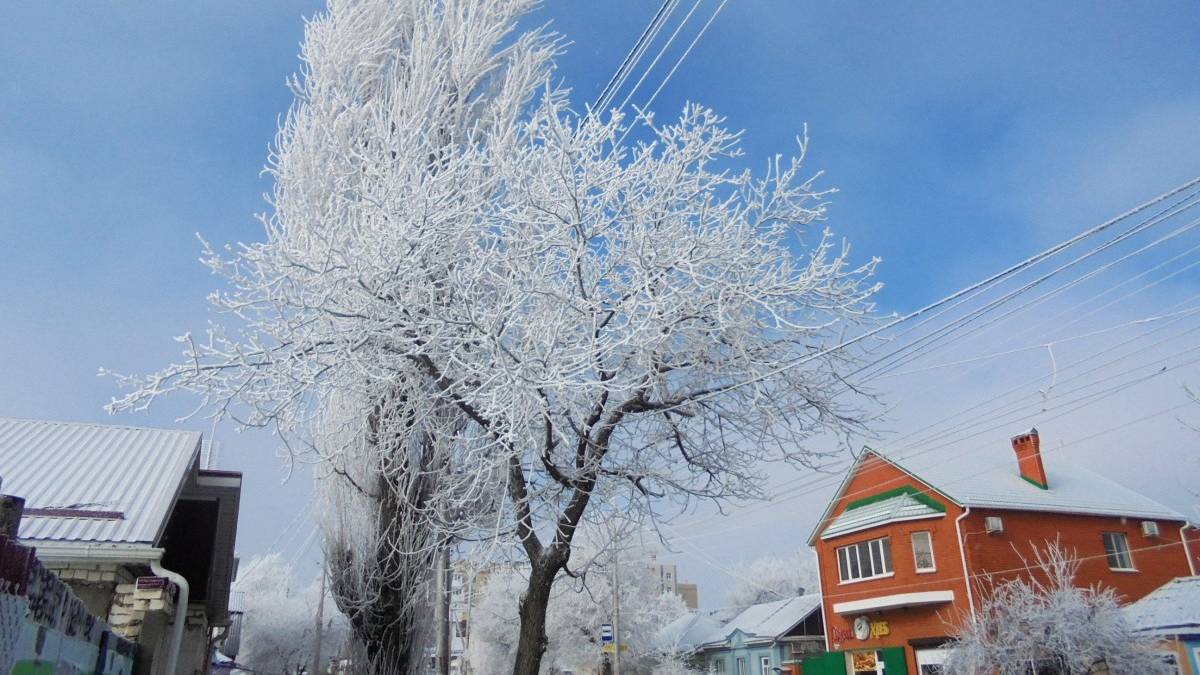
x=765, y=639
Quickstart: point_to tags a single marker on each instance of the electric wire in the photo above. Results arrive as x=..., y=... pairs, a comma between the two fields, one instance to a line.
x=923, y=342
x=635, y=54
x=662, y=51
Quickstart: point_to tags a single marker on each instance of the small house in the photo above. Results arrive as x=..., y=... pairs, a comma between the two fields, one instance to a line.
x=766, y=639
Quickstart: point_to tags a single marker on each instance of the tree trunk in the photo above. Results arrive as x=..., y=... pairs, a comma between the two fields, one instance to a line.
x=532, y=643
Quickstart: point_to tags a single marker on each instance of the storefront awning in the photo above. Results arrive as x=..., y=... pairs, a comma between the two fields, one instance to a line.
x=894, y=601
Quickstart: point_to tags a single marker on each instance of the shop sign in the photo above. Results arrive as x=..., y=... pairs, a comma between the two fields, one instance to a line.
x=865, y=628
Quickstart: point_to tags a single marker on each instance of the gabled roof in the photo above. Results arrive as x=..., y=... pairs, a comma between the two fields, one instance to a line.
x=768, y=621
x=686, y=632
x=905, y=503
x=1172, y=609
x=92, y=483
x=991, y=480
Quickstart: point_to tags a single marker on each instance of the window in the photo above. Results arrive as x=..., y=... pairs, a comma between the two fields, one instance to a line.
x=766, y=665
x=741, y=666
x=922, y=545
x=1116, y=548
x=718, y=666
x=865, y=560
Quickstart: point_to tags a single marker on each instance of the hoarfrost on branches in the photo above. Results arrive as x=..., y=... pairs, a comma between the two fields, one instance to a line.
x=278, y=625
x=576, y=611
x=587, y=327
x=1045, y=621
x=770, y=578
x=675, y=664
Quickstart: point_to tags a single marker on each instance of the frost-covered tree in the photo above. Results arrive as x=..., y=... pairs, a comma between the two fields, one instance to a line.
x=1044, y=622
x=381, y=541
x=277, y=628
x=771, y=578
x=587, y=326
x=675, y=663
x=576, y=611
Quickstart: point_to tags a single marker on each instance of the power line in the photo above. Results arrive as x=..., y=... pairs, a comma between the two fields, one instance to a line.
x=922, y=343
x=1041, y=345
x=639, y=47
x=685, y=54
x=662, y=51
x=1081, y=400
x=884, y=483
x=804, y=485
x=1054, y=320
x=954, y=297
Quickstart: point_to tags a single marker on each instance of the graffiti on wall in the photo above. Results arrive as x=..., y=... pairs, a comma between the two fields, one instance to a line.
x=45, y=629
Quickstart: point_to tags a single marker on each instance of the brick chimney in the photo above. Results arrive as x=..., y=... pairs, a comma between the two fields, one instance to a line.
x=1029, y=458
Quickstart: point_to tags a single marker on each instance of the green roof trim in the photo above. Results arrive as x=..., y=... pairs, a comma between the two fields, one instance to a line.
x=1035, y=483
x=909, y=490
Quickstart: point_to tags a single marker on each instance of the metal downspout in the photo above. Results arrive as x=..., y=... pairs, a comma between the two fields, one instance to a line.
x=821, y=590
x=962, y=553
x=181, y=605
x=1187, y=550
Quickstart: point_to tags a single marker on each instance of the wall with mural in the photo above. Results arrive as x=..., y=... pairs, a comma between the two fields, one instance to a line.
x=45, y=629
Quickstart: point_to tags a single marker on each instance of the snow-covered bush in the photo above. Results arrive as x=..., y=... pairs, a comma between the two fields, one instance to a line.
x=1044, y=620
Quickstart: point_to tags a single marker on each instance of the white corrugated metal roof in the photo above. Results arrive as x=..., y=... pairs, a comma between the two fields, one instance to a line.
x=892, y=509
x=687, y=631
x=992, y=481
x=769, y=620
x=134, y=471
x=1173, y=609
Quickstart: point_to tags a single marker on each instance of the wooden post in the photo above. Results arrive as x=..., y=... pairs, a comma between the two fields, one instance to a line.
x=11, y=509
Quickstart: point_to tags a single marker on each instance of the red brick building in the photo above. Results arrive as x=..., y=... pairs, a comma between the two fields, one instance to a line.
x=906, y=546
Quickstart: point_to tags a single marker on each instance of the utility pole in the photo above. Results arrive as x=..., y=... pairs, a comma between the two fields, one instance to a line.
x=316, y=661
x=442, y=611
x=617, y=614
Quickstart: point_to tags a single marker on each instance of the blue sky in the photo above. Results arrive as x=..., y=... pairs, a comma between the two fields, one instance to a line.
x=962, y=137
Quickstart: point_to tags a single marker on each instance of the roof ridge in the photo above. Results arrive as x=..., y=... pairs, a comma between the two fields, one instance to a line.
x=958, y=487
x=130, y=427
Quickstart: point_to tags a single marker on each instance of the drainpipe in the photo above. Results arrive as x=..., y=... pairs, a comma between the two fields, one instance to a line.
x=181, y=604
x=131, y=555
x=821, y=591
x=962, y=552
x=1187, y=551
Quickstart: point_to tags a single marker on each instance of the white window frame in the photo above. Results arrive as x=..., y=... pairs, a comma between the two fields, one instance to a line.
x=1118, y=552
x=740, y=665
x=932, y=558
x=765, y=663
x=848, y=566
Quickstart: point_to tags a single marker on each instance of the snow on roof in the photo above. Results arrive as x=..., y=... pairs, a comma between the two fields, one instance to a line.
x=902, y=506
x=686, y=632
x=1172, y=609
x=767, y=621
x=992, y=481
x=94, y=483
